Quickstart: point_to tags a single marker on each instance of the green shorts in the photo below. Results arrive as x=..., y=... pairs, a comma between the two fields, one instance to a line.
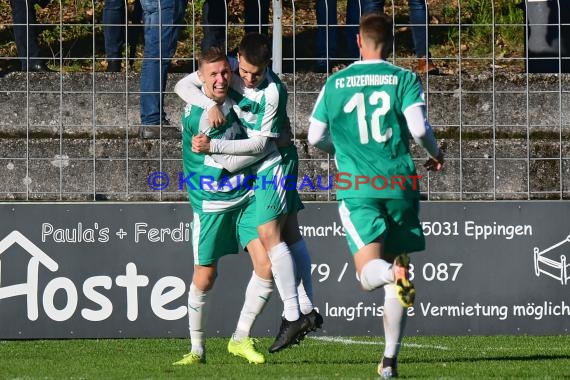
x=395, y=220
x=247, y=223
x=215, y=235
x=270, y=194
x=290, y=163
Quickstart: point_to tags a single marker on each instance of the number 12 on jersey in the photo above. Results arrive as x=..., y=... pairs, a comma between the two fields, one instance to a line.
x=377, y=98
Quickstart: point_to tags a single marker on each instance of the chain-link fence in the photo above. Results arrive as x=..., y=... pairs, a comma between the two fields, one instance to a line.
x=494, y=74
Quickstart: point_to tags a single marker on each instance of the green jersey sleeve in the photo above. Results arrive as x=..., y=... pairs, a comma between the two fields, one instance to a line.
x=413, y=93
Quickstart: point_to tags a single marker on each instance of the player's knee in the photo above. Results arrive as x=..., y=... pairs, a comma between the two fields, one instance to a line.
x=264, y=236
x=375, y=274
x=204, y=278
x=205, y=284
x=366, y=280
x=268, y=235
x=364, y=284
x=263, y=269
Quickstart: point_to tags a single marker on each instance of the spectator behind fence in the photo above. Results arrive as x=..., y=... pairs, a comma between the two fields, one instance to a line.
x=327, y=15
x=115, y=17
x=26, y=34
x=162, y=23
x=214, y=20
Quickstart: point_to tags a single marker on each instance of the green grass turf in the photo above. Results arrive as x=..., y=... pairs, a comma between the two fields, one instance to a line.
x=344, y=358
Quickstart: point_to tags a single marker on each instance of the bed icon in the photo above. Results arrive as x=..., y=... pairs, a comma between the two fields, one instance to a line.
x=545, y=261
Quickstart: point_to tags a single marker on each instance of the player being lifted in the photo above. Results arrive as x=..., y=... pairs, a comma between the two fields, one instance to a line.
x=224, y=211
x=364, y=115
x=261, y=107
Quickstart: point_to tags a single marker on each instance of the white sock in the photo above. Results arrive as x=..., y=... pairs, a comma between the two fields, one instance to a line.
x=302, y=261
x=256, y=297
x=395, y=317
x=283, y=269
x=376, y=273
x=196, y=322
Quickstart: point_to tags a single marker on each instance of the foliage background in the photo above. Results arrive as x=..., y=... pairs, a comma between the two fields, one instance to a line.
x=73, y=34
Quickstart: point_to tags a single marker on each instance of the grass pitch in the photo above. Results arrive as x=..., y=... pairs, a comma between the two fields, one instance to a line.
x=316, y=358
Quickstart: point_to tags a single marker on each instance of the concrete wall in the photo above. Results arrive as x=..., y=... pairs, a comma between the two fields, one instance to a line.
x=74, y=137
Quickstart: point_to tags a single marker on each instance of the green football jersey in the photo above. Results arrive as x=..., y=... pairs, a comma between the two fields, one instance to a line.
x=363, y=107
x=262, y=110
x=211, y=188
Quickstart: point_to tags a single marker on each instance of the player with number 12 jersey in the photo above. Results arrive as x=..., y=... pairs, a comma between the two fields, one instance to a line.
x=363, y=105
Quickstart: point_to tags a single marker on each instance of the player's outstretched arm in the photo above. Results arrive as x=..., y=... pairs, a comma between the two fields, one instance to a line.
x=423, y=135
x=250, y=146
x=319, y=136
x=201, y=144
x=233, y=163
x=189, y=90
x=254, y=145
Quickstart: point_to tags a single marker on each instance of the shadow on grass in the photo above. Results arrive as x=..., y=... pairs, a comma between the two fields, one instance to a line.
x=518, y=358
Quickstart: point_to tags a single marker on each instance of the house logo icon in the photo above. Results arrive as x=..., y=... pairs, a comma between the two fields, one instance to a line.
x=37, y=257
x=552, y=261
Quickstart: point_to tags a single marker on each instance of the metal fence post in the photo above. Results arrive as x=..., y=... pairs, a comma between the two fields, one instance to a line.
x=277, y=37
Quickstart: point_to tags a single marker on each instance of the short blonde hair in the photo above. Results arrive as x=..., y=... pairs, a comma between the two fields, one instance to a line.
x=212, y=54
x=376, y=29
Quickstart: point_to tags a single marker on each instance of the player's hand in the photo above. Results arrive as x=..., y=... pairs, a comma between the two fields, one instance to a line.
x=216, y=116
x=435, y=164
x=200, y=143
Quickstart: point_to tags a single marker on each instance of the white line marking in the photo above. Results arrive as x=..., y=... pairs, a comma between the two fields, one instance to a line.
x=337, y=339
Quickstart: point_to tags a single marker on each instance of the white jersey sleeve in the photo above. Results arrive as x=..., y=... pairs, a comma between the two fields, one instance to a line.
x=188, y=89
x=420, y=129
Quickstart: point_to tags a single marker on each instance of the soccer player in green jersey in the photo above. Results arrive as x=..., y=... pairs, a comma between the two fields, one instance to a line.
x=224, y=212
x=365, y=116
x=261, y=106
